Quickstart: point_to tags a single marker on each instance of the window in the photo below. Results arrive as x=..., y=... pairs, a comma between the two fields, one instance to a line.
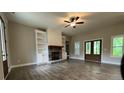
x=88, y=47
x=96, y=47
x=117, y=46
x=77, y=48
x=2, y=40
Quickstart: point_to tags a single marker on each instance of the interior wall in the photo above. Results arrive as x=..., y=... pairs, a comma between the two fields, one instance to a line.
x=22, y=44
x=105, y=34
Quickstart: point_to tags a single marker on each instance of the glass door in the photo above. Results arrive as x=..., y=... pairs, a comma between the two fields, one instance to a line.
x=93, y=50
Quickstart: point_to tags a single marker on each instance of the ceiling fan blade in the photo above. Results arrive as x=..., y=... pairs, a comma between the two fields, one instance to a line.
x=79, y=22
x=76, y=18
x=72, y=19
x=67, y=21
x=67, y=25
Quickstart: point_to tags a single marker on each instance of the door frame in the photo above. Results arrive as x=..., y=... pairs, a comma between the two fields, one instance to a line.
x=94, y=40
x=5, y=48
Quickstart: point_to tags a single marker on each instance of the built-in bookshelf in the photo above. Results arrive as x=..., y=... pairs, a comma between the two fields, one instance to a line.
x=64, y=53
x=41, y=47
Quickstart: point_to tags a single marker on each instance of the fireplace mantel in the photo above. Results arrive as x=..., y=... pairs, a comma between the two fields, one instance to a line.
x=54, y=37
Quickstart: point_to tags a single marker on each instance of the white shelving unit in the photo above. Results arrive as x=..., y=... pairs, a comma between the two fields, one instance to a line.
x=41, y=47
x=64, y=54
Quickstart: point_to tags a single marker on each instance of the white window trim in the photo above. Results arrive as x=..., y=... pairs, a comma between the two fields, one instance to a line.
x=96, y=52
x=111, y=48
x=86, y=49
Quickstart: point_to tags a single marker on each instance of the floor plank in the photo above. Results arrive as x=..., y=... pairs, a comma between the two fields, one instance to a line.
x=67, y=70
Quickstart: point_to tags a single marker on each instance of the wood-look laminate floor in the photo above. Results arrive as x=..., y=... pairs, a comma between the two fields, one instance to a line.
x=68, y=70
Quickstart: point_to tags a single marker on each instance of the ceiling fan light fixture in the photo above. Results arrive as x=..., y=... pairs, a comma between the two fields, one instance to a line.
x=73, y=24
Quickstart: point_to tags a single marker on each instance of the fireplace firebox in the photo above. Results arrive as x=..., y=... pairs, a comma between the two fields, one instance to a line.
x=55, y=53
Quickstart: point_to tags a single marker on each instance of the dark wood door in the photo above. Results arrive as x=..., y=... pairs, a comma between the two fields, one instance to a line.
x=93, y=50
x=5, y=68
x=67, y=49
x=4, y=48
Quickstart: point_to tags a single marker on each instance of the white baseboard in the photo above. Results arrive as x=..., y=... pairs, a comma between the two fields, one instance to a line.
x=9, y=69
x=77, y=58
x=57, y=60
x=113, y=63
x=45, y=63
x=21, y=65
x=103, y=62
x=28, y=64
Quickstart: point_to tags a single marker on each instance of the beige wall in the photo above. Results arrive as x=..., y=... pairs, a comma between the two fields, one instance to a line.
x=106, y=35
x=22, y=44
x=54, y=37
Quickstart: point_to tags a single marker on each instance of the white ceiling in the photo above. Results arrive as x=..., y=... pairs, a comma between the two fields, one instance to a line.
x=55, y=20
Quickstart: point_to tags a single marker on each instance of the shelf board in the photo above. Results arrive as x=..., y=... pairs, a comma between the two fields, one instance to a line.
x=42, y=43
x=40, y=38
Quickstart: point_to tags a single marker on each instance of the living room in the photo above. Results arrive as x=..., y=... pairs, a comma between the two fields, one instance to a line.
x=56, y=45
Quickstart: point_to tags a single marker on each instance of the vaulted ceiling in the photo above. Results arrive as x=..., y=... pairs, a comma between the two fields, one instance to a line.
x=55, y=20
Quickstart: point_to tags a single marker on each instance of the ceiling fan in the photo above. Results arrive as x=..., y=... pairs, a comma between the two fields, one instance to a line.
x=73, y=21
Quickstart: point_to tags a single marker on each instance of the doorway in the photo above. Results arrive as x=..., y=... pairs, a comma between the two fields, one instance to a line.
x=4, y=48
x=93, y=50
x=67, y=49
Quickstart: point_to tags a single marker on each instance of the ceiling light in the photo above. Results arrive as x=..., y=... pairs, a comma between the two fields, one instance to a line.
x=73, y=24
